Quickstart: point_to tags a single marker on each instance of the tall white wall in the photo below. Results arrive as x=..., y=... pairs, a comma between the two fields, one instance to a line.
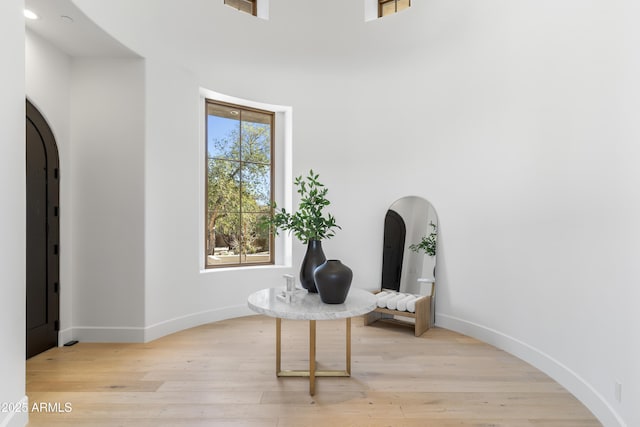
x=178, y=292
x=107, y=156
x=48, y=87
x=12, y=214
x=515, y=119
x=108, y=134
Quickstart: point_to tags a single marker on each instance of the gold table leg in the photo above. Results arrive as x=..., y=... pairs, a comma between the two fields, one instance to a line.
x=312, y=357
x=312, y=373
x=348, y=346
x=278, y=344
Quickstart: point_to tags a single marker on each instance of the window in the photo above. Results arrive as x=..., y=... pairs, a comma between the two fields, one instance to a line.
x=248, y=6
x=388, y=7
x=239, y=185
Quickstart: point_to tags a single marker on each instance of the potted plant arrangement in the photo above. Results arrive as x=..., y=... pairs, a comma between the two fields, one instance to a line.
x=309, y=224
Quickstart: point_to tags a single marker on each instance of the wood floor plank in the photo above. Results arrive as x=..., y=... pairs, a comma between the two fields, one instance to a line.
x=223, y=375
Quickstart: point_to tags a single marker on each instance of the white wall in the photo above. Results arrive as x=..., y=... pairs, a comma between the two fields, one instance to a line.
x=515, y=119
x=108, y=134
x=178, y=292
x=12, y=214
x=102, y=200
x=48, y=87
x=370, y=10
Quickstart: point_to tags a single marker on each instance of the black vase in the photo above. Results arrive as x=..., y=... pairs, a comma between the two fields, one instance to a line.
x=312, y=259
x=333, y=280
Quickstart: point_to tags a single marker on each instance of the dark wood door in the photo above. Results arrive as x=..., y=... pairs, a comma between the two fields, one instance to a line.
x=395, y=232
x=42, y=256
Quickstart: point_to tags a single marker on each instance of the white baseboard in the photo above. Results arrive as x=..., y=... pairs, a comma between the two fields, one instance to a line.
x=64, y=336
x=18, y=418
x=181, y=323
x=561, y=373
x=150, y=333
x=107, y=334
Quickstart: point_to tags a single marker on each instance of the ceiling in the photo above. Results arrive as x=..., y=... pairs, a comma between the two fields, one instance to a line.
x=66, y=27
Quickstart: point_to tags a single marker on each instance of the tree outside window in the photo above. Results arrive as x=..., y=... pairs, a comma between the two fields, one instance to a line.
x=238, y=185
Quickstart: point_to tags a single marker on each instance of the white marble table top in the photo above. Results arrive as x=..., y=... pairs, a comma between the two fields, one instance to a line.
x=308, y=306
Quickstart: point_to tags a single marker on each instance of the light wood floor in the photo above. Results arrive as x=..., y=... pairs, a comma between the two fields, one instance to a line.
x=223, y=374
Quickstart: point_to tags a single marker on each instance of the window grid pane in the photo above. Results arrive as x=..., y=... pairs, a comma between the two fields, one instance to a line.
x=402, y=5
x=389, y=7
x=239, y=185
x=247, y=6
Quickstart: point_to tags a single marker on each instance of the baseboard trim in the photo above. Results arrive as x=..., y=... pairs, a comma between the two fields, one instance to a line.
x=150, y=333
x=561, y=373
x=106, y=334
x=18, y=418
x=181, y=323
x=64, y=336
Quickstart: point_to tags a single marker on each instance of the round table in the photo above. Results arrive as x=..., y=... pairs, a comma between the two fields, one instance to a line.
x=308, y=306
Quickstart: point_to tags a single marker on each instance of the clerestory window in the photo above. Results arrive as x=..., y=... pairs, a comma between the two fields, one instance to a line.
x=239, y=185
x=388, y=7
x=247, y=6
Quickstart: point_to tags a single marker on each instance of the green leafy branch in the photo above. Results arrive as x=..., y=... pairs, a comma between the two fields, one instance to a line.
x=309, y=222
x=428, y=243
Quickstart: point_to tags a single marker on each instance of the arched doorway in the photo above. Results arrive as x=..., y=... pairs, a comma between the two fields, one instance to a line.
x=43, y=234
